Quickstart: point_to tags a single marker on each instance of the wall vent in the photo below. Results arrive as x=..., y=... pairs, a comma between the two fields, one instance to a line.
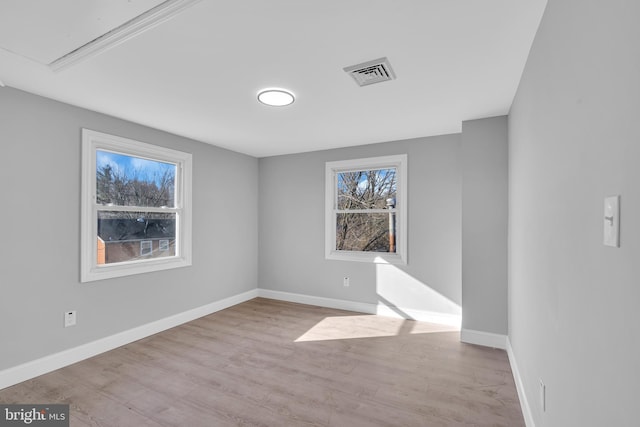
x=368, y=73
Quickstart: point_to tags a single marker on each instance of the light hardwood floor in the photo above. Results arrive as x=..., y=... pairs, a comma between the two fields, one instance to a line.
x=273, y=363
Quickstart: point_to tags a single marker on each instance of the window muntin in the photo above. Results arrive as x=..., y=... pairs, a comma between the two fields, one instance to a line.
x=136, y=207
x=365, y=209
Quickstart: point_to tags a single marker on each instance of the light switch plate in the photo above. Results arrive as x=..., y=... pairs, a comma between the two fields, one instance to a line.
x=612, y=221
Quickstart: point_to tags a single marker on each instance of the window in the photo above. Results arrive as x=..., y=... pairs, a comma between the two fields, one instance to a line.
x=146, y=247
x=163, y=245
x=366, y=215
x=136, y=201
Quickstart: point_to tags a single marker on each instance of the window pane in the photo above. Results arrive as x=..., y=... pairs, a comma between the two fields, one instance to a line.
x=366, y=232
x=366, y=189
x=129, y=236
x=133, y=181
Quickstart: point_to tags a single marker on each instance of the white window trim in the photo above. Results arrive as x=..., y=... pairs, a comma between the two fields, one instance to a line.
x=92, y=141
x=332, y=169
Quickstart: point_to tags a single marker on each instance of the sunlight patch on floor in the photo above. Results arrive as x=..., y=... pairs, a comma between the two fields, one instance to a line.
x=368, y=326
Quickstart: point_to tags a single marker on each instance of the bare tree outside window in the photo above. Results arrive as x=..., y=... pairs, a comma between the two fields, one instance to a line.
x=366, y=210
x=136, y=207
x=151, y=183
x=136, y=183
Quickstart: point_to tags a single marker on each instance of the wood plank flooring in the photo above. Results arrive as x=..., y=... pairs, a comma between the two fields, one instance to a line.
x=273, y=363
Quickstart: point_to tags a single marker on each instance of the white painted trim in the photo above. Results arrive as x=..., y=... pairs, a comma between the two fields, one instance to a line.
x=447, y=319
x=132, y=28
x=34, y=368
x=399, y=162
x=524, y=402
x=361, y=307
x=93, y=141
x=486, y=339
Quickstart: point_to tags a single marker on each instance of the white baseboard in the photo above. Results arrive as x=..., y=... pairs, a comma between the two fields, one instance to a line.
x=486, y=339
x=361, y=307
x=318, y=301
x=524, y=403
x=447, y=319
x=34, y=368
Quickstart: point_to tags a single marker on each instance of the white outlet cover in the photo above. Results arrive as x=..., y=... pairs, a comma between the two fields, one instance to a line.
x=69, y=318
x=611, y=221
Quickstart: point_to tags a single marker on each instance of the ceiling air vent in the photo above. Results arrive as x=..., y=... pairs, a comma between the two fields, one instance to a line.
x=368, y=73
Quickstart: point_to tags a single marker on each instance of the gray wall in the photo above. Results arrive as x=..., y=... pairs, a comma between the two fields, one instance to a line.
x=291, y=203
x=484, y=225
x=275, y=228
x=574, y=317
x=39, y=245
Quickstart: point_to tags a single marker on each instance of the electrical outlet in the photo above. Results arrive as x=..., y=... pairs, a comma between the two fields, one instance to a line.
x=345, y=282
x=543, y=396
x=69, y=318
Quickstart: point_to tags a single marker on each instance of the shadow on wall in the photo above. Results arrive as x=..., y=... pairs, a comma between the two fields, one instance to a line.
x=402, y=295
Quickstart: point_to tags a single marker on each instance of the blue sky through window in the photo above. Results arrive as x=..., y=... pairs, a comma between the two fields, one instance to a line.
x=134, y=167
x=366, y=189
x=383, y=174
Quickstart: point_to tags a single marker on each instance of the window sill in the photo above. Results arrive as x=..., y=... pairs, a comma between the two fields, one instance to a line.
x=127, y=269
x=370, y=257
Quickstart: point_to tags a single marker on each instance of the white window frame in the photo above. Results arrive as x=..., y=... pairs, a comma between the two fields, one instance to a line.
x=93, y=141
x=331, y=171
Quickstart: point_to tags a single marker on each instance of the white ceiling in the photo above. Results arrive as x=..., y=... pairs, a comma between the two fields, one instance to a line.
x=47, y=30
x=198, y=74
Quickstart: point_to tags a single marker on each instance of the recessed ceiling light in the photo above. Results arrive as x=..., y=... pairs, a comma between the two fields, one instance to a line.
x=276, y=97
